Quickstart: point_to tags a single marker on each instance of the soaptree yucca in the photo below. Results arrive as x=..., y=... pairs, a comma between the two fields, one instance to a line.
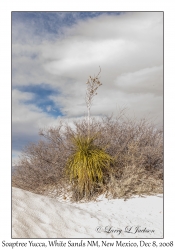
x=86, y=166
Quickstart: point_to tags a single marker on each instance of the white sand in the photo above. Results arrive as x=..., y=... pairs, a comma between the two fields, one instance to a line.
x=36, y=216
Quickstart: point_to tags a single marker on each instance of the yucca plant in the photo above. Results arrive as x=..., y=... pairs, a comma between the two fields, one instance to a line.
x=85, y=167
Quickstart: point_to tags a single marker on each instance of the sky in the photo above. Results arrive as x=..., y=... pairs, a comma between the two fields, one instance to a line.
x=54, y=53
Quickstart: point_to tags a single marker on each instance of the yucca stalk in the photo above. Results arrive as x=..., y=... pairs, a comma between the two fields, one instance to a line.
x=92, y=85
x=86, y=165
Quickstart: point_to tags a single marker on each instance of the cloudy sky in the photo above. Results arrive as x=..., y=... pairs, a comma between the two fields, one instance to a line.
x=53, y=54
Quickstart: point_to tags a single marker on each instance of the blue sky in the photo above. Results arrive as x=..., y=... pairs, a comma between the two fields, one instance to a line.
x=41, y=93
x=53, y=54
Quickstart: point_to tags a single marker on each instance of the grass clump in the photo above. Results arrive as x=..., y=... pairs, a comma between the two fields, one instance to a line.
x=86, y=166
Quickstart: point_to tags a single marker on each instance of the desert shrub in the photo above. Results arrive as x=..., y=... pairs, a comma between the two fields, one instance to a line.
x=41, y=165
x=134, y=181
x=136, y=148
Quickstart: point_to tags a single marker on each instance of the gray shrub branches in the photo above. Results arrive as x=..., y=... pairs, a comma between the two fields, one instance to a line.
x=137, y=147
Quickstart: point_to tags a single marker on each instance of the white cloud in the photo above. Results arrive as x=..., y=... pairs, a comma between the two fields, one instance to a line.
x=49, y=108
x=147, y=80
x=129, y=49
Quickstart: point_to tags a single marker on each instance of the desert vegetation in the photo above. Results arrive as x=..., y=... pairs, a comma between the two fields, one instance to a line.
x=116, y=156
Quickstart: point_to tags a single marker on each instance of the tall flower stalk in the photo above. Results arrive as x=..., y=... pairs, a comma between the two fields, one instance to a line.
x=93, y=84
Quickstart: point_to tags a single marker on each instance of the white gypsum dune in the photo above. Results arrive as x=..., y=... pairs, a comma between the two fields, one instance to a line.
x=37, y=216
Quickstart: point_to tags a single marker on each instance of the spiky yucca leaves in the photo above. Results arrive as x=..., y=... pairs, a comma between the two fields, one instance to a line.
x=86, y=166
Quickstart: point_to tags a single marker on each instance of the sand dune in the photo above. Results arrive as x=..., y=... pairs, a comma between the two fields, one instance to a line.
x=36, y=216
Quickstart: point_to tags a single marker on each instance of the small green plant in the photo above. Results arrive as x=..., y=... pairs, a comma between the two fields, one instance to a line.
x=86, y=165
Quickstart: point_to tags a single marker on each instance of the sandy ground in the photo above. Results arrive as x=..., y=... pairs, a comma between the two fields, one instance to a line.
x=36, y=216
